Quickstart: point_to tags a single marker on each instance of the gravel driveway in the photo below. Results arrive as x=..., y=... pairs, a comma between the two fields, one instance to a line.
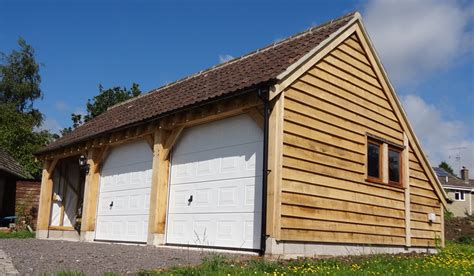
x=32, y=256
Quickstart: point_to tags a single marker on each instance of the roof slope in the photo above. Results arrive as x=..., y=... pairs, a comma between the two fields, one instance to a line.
x=256, y=68
x=448, y=179
x=9, y=165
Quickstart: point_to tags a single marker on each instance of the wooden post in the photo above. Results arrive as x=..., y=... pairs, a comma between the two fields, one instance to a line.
x=44, y=209
x=275, y=145
x=152, y=222
x=91, y=192
x=443, y=244
x=159, y=189
x=406, y=183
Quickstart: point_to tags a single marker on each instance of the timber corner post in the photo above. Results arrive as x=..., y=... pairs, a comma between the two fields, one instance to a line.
x=91, y=193
x=273, y=230
x=45, y=199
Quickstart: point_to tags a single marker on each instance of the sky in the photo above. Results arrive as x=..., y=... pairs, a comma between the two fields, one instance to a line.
x=427, y=48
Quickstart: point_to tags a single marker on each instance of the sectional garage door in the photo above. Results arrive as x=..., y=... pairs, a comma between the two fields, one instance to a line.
x=216, y=185
x=124, y=194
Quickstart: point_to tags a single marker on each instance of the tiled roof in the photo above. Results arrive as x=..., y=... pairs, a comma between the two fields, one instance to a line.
x=9, y=165
x=448, y=179
x=260, y=67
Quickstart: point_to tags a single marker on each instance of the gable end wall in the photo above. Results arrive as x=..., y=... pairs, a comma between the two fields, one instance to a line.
x=324, y=196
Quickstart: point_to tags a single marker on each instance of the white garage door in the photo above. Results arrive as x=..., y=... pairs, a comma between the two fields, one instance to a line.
x=216, y=185
x=124, y=195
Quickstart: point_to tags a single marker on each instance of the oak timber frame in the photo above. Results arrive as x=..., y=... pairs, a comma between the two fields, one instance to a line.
x=161, y=135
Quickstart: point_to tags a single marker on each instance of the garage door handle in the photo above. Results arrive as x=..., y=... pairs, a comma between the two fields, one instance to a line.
x=190, y=199
x=111, y=204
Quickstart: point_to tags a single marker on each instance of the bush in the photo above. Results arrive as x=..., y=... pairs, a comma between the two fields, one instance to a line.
x=465, y=240
x=448, y=215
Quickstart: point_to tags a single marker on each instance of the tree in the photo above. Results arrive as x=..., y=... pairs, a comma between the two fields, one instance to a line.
x=101, y=102
x=20, y=79
x=19, y=120
x=445, y=166
x=18, y=137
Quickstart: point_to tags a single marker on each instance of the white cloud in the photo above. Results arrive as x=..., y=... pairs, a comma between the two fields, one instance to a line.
x=61, y=106
x=416, y=38
x=438, y=135
x=225, y=58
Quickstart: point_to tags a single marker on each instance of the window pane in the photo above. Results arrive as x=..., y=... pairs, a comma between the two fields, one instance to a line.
x=373, y=151
x=394, y=166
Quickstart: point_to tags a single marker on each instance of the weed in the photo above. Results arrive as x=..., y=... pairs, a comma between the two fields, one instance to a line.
x=454, y=259
x=24, y=234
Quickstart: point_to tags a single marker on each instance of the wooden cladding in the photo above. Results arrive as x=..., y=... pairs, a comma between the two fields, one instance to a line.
x=423, y=200
x=328, y=112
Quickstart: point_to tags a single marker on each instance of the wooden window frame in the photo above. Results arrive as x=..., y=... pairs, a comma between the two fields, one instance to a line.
x=371, y=178
x=400, y=169
x=384, y=172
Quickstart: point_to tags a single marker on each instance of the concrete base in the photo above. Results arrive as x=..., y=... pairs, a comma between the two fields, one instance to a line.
x=42, y=234
x=155, y=239
x=288, y=249
x=87, y=236
x=63, y=235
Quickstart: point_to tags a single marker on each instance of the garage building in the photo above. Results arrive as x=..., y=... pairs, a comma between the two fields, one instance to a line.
x=300, y=148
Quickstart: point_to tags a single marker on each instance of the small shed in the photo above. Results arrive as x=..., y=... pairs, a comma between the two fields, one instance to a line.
x=18, y=192
x=300, y=148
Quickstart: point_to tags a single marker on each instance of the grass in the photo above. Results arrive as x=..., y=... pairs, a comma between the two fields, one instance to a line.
x=454, y=259
x=17, y=235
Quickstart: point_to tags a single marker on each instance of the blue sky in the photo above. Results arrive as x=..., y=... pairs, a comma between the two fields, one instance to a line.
x=426, y=47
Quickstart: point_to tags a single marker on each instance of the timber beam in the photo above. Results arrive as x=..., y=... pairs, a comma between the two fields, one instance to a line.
x=212, y=112
x=110, y=139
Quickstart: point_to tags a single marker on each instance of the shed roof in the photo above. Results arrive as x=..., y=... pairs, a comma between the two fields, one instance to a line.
x=260, y=67
x=10, y=166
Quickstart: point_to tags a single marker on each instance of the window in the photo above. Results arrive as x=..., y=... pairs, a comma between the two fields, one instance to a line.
x=384, y=161
x=394, y=168
x=374, y=151
x=459, y=195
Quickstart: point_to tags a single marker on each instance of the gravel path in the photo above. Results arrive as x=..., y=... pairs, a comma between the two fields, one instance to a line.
x=32, y=256
x=6, y=265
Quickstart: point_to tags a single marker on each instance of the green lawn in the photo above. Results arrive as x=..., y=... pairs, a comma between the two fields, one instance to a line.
x=455, y=259
x=17, y=235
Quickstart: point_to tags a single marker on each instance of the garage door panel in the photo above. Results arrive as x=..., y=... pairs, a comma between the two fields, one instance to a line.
x=221, y=196
x=128, y=154
x=220, y=166
x=224, y=163
x=122, y=228
x=126, y=177
x=130, y=202
x=207, y=136
x=229, y=230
